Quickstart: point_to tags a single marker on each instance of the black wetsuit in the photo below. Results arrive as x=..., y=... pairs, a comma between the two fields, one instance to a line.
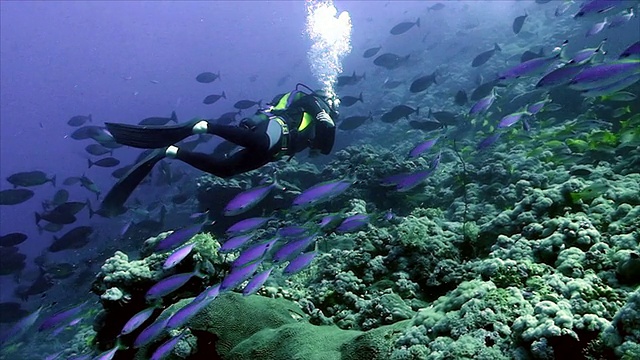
x=262, y=136
x=257, y=139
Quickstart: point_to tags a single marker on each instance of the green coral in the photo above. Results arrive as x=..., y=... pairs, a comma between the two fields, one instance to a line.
x=256, y=327
x=472, y=321
x=128, y=275
x=386, y=309
x=342, y=298
x=570, y=262
x=623, y=334
x=471, y=346
x=628, y=266
x=207, y=247
x=429, y=251
x=549, y=319
x=547, y=258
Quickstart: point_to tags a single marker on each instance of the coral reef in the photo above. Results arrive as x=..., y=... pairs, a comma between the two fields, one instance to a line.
x=533, y=263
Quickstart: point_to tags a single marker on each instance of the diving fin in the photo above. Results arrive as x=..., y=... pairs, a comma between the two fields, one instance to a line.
x=113, y=203
x=150, y=137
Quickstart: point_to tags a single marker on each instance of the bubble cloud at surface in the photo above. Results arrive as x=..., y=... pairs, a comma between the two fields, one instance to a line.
x=330, y=36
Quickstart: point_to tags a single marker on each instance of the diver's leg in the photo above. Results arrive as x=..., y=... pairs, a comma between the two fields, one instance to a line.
x=150, y=137
x=247, y=138
x=238, y=163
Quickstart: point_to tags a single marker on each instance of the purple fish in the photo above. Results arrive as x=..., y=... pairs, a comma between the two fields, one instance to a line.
x=330, y=222
x=165, y=349
x=256, y=282
x=247, y=225
x=632, y=52
x=107, y=355
x=291, y=231
x=529, y=67
x=60, y=317
x=585, y=55
x=299, y=263
x=125, y=228
x=511, y=119
x=246, y=200
x=253, y=253
x=389, y=215
x=562, y=8
x=621, y=18
x=211, y=292
x=167, y=285
x=422, y=147
x=590, y=7
x=137, y=320
x=177, y=256
x=80, y=357
x=596, y=28
x=63, y=327
x=188, y=311
x=54, y=356
x=483, y=104
x=353, y=223
x=199, y=215
x=292, y=249
x=235, y=242
x=178, y=237
x=322, y=192
x=411, y=180
x=488, y=141
x=22, y=326
x=561, y=75
x=536, y=107
x=525, y=125
x=407, y=181
x=436, y=161
x=238, y=275
x=341, y=187
x=151, y=332
x=612, y=88
x=393, y=180
x=604, y=74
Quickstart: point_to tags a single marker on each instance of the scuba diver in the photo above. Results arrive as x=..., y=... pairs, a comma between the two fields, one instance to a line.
x=295, y=121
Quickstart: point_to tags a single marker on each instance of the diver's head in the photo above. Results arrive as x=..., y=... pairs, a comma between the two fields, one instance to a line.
x=331, y=100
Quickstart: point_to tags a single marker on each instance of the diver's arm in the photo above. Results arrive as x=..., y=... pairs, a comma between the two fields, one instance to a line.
x=324, y=133
x=325, y=129
x=325, y=139
x=311, y=105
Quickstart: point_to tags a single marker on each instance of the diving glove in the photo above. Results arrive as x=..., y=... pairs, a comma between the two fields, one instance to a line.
x=324, y=118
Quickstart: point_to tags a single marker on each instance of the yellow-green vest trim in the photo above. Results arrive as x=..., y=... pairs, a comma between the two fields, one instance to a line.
x=284, y=102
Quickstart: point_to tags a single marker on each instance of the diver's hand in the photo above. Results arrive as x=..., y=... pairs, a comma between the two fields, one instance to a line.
x=325, y=118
